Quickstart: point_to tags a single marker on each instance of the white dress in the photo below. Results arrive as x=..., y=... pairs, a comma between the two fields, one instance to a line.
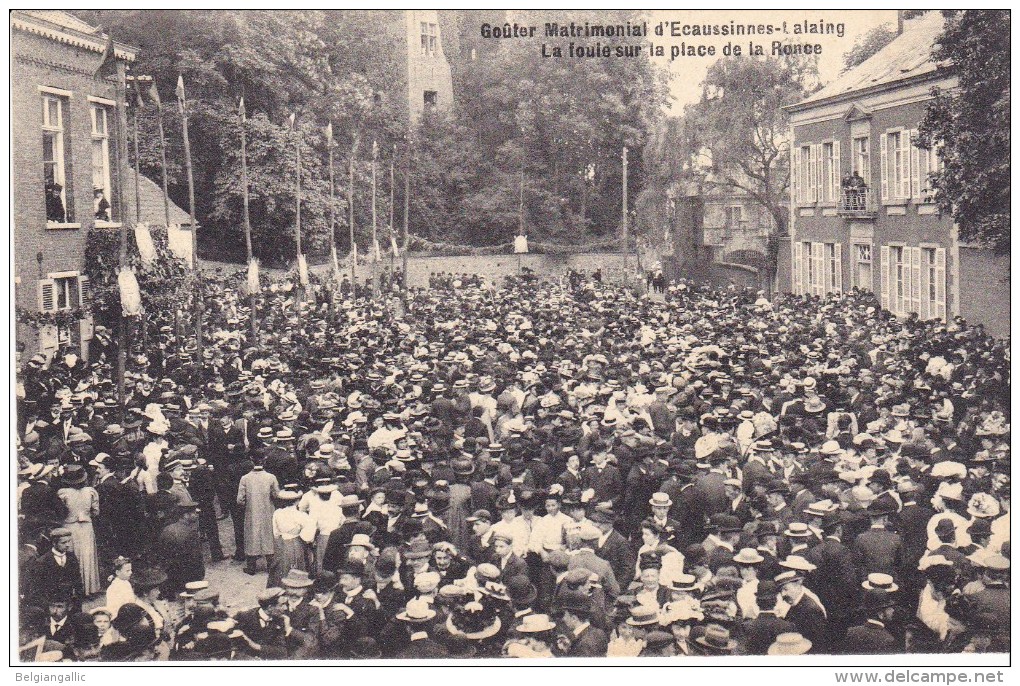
x=119, y=594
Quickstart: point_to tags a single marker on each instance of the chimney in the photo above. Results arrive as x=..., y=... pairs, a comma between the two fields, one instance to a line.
x=899, y=22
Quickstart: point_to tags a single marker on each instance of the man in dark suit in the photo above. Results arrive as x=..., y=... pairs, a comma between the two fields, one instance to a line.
x=509, y=563
x=578, y=638
x=56, y=575
x=804, y=611
x=265, y=627
x=872, y=637
x=417, y=618
x=603, y=478
x=571, y=477
x=485, y=493
x=710, y=487
x=686, y=510
x=758, y=634
x=911, y=523
x=58, y=624
x=878, y=549
x=837, y=575
x=612, y=546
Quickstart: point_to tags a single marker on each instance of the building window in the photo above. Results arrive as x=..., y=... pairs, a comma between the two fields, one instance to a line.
x=901, y=274
x=833, y=274
x=862, y=267
x=806, y=175
x=428, y=39
x=63, y=291
x=430, y=98
x=862, y=159
x=830, y=171
x=734, y=216
x=56, y=165
x=897, y=161
x=102, y=191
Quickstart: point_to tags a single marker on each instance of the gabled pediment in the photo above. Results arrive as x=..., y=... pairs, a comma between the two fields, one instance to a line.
x=857, y=112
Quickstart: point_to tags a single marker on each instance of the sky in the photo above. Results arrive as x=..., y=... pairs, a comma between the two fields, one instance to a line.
x=687, y=73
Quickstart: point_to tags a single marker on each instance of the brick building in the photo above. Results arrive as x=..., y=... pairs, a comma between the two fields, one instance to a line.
x=861, y=214
x=64, y=155
x=736, y=227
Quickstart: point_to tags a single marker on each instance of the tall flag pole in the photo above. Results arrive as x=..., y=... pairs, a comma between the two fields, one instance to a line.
x=154, y=95
x=350, y=218
x=332, y=200
x=407, y=195
x=134, y=135
x=109, y=66
x=252, y=294
x=297, y=200
x=182, y=107
x=393, y=231
x=375, y=240
x=623, y=236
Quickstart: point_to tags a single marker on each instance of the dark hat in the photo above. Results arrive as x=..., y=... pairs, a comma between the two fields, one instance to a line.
x=884, y=504
x=725, y=522
x=521, y=591
x=74, y=475
x=352, y=567
x=149, y=577
x=716, y=639
x=603, y=515
x=766, y=588
x=573, y=601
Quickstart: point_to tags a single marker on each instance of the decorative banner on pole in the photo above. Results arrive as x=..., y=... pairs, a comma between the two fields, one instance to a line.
x=302, y=266
x=253, y=277
x=179, y=241
x=520, y=244
x=377, y=256
x=393, y=244
x=146, y=248
x=336, y=263
x=130, y=296
x=352, y=258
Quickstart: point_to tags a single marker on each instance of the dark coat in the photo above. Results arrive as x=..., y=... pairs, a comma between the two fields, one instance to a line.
x=879, y=550
x=272, y=637
x=619, y=553
x=811, y=623
x=870, y=638
x=711, y=493
x=422, y=649
x=607, y=484
x=758, y=634
x=514, y=566
x=49, y=580
x=592, y=642
x=836, y=579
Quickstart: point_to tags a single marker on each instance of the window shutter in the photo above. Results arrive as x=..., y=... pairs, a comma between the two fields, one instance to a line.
x=85, y=299
x=837, y=177
x=940, y=284
x=838, y=286
x=905, y=147
x=854, y=262
x=915, y=279
x=794, y=172
x=884, y=273
x=818, y=256
x=883, y=145
x=916, y=175
x=819, y=173
x=827, y=271
x=797, y=268
x=926, y=306
x=47, y=295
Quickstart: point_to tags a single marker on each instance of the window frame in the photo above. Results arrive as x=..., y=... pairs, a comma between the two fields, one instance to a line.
x=862, y=166
x=59, y=161
x=95, y=107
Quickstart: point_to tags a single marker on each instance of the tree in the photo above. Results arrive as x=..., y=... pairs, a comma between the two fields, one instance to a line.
x=867, y=45
x=970, y=125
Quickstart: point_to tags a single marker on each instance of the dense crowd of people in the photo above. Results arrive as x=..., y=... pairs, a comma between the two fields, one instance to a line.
x=534, y=470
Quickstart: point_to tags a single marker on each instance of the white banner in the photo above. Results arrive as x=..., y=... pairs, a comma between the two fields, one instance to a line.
x=253, y=276
x=520, y=244
x=302, y=266
x=146, y=248
x=179, y=240
x=130, y=295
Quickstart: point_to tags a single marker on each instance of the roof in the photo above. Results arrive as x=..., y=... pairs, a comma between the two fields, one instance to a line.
x=66, y=28
x=151, y=196
x=906, y=57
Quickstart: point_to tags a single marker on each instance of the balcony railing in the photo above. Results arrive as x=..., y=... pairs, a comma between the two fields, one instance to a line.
x=857, y=203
